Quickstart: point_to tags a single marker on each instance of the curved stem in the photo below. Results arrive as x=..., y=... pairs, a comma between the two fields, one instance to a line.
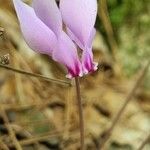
x=81, y=119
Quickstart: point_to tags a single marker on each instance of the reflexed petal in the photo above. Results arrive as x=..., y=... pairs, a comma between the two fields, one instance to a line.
x=37, y=35
x=87, y=61
x=49, y=13
x=79, y=16
x=67, y=55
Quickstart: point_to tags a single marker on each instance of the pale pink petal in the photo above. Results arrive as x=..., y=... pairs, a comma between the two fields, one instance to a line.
x=79, y=16
x=66, y=53
x=78, y=42
x=91, y=38
x=37, y=35
x=49, y=13
x=74, y=38
x=87, y=61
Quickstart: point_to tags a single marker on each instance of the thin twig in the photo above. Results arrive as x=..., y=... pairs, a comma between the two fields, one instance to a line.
x=37, y=138
x=81, y=118
x=108, y=133
x=147, y=139
x=43, y=137
x=21, y=107
x=35, y=75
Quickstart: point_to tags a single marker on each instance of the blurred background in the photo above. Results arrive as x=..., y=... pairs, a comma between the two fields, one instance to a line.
x=37, y=113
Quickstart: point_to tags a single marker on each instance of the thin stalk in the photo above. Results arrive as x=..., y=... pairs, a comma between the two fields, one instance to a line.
x=58, y=81
x=81, y=119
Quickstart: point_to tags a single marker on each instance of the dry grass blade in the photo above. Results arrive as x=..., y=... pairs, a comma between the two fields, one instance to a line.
x=42, y=137
x=34, y=75
x=38, y=138
x=108, y=133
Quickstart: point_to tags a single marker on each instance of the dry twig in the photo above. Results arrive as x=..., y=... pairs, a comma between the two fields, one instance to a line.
x=34, y=75
x=43, y=137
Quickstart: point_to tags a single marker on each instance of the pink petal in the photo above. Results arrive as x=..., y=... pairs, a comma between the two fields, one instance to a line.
x=78, y=42
x=91, y=38
x=66, y=54
x=75, y=39
x=37, y=35
x=49, y=13
x=87, y=61
x=79, y=16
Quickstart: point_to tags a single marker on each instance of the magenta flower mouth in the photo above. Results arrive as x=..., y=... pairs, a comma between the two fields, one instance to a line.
x=74, y=73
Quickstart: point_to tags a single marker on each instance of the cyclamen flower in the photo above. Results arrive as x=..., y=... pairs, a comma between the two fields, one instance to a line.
x=42, y=29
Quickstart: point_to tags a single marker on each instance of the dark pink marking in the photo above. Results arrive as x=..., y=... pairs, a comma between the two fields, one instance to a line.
x=88, y=64
x=75, y=72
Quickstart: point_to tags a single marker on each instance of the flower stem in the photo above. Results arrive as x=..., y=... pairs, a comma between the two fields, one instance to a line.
x=81, y=119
